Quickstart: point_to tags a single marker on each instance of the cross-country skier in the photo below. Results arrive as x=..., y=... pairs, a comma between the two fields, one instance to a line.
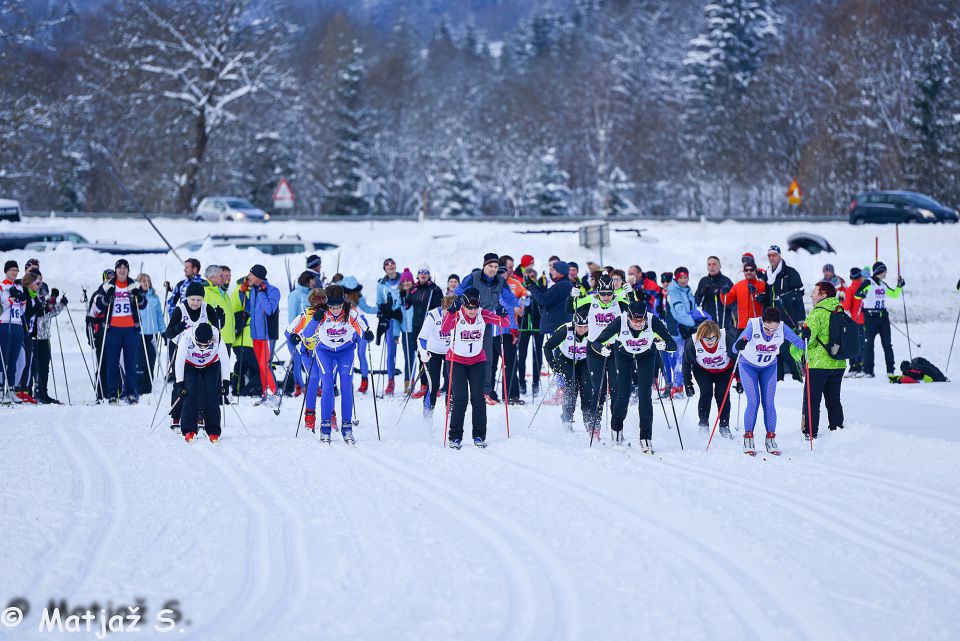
x=316, y=307
x=202, y=380
x=334, y=334
x=389, y=315
x=467, y=322
x=566, y=351
x=758, y=346
x=635, y=333
x=854, y=308
x=708, y=359
x=873, y=292
x=351, y=293
x=432, y=347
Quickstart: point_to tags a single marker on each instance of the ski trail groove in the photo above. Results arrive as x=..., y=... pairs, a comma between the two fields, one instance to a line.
x=723, y=575
x=561, y=620
x=840, y=523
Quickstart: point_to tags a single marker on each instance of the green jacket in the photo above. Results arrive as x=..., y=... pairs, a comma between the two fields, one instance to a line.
x=215, y=297
x=234, y=300
x=818, y=320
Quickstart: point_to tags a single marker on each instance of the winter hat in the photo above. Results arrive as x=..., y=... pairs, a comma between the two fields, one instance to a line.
x=666, y=277
x=829, y=268
x=525, y=261
x=574, y=265
x=878, y=268
x=334, y=295
x=10, y=264
x=203, y=333
x=388, y=260
x=680, y=270
x=121, y=261
x=259, y=271
x=774, y=248
x=423, y=269
x=471, y=296
x=637, y=309
x=604, y=285
x=194, y=289
x=561, y=267
x=490, y=257
x=650, y=275
x=581, y=318
x=747, y=258
x=351, y=285
x=108, y=274
x=313, y=261
x=453, y=277
x=855, y=273
x=406, y=275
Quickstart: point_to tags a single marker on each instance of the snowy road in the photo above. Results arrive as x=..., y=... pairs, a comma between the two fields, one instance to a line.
x=538, y=537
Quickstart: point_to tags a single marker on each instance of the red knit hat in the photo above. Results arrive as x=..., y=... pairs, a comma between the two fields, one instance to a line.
x=525, y=261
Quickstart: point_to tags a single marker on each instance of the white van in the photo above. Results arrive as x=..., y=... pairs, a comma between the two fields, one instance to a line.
x=9, y=210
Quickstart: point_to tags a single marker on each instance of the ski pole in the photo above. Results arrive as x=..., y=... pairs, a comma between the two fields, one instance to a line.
x=909, y=341
x=903, y=297
x=170, y=412
x=283, y=387
x=303, y=403
x=83, y=356
x=63, y=360
x=952, y=341
x=724, y=402
x=594, y=422
x=376, y=413
x=409, y=393
x=103, y=344
x=503, y=371
x=674, y=410
x=806, y=385
x=738, y=410
x=683, y=414
x=659, y=363
x=160, y=398
x=453, y=348
x=540, y=404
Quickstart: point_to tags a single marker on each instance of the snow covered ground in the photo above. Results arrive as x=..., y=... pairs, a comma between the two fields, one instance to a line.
x=539, y=537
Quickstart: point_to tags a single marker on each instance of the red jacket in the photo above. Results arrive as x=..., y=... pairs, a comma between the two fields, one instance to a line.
x=747, y=306
x=853, y=305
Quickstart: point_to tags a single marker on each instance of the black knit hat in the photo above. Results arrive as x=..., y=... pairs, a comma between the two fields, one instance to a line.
x=313, y=261
x=604, y=285
x=637, y=309
x=471, y=296
x=259, y=271
x=334, y=295
x=194, y=289
x=879, y=268
x=10, y=264
x=121, y=261
x=580, y=318
x=203, y=334
x=855, y=272
x=490, y=257
x=453, y=277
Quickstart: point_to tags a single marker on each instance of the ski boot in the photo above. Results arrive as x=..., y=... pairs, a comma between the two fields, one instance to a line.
x=618, y=438
x=516, y=401
x=175, y=425
x=190, y=437
x=347, y=434
x=595, y=432
x=568, y=425
x=325, y=432
x=677, y=391
x=132, y=399
x=420, y=393
x=455, y=444
x=748, y=447
x=646, y=447
x=364, y=385
x=388, y=391
x=214, y=438
x=479, y=442
x=26, y=397
x=297, y=390
x=490, y=399
x=310, y=420
x=704, y=428
x=771, y=444
x=725, y=430
x=333, y=420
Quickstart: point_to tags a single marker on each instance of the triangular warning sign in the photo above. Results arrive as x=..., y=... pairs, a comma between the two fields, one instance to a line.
x=283, y=191
x=794, y=195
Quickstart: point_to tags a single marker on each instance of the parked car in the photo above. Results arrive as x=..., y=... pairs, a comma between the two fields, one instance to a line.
x=898, y=207
x=9, y=210
x=99, y=246
x=220, y=208
x=272, y=246
x=20, y=240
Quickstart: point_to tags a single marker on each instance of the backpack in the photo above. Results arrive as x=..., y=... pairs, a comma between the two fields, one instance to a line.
x=921, y=369
x=844, y=341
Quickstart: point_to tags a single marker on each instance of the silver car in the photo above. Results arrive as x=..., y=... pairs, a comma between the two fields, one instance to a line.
x=220, y=208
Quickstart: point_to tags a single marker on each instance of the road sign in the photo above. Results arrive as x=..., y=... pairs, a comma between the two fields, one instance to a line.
x=283, y=197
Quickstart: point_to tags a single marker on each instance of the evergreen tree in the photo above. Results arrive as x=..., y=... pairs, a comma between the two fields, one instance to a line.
x=613, y=195
x=550, y=194
x=457, y=195
x=350, y=160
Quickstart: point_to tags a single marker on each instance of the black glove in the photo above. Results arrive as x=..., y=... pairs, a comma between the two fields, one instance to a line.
x=725, y=290
x=866, y=283
x=762, y=275
x=759, y=297
x=900, y=281
x=294, y=339
x=225, y=388
x=179, y=389
x=368, y=336
x=500, y=310
x=63, y=300
x=18, y=294
x=739, y=387
x=741, y=344
x=54, y=293
x=958, y=285
x=457, y=304
x=688, y=388
x=805, y=333
x=390, y=300
x=181, y=327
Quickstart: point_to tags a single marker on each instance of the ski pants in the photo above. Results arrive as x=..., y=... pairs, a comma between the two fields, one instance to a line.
x=760, y=386
x=24, y=372
x=147, y=363
x=644, y=367
x=203, y=398
x=825, y=384
x=408, y=341
x=713, y=386
x=432, y=371
x=602, y=375
x=391, y=351
x=326, y=367
x=526, y=338
x=362, y=357
x=246, y=371
x=856, y=364
x=576, y=382
x=674, y=361
x=296, y=364
x=467, y=385
x=261, y=350
x=509, y=366
x=123, y=341
x=11, y=342
x=877, y=323
x=42, y=355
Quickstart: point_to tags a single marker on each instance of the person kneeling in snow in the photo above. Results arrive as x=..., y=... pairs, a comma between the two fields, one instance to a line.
x=201, y=383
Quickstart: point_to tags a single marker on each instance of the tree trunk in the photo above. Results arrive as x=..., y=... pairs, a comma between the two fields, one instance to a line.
x=188, y=178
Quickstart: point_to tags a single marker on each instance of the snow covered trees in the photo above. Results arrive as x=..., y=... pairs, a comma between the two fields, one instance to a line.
x=550, y=194
x=456, y=195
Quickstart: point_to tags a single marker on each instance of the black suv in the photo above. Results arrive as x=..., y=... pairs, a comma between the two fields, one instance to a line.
x=898, y=207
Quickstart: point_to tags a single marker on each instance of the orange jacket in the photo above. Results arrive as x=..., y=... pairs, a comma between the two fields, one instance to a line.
x=747, y=306
x=853, y=305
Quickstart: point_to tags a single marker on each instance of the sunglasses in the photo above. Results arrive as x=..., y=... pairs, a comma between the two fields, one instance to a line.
x=769, y=329
x=471, y=306
x=710, y=339
x=748, y=270
x=423, y=272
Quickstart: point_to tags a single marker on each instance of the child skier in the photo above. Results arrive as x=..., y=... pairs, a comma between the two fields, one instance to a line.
x=566, y=351
x=202, y=380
